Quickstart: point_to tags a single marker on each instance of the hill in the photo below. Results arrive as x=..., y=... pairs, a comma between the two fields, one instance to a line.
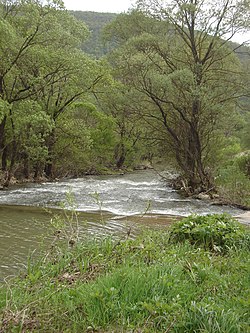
x=95, y=22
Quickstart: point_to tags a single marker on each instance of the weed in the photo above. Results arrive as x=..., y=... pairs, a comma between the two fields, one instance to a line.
x=148, y=284
x=218, y=232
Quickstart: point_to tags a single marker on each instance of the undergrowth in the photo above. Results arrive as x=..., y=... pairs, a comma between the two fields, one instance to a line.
x=147, y=284
x=217, y=232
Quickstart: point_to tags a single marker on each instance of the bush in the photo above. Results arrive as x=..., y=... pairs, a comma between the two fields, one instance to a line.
x=233, y=180
x=243, y=161
x=217, y=233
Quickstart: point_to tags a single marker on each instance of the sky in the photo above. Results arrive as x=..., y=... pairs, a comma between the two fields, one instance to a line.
x=109, y=6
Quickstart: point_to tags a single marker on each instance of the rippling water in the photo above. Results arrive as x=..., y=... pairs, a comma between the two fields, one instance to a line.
x=122, y=199
x=121, y=195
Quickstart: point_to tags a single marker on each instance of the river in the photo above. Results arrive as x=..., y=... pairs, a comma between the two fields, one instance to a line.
x=106, y=204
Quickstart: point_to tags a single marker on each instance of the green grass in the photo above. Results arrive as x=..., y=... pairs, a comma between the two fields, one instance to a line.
x=150, y=284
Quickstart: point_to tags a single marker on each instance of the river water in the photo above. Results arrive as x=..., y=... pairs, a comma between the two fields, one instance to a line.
x=106, y=204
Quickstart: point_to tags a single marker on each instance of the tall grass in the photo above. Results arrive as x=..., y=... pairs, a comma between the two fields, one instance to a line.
x=149, y=284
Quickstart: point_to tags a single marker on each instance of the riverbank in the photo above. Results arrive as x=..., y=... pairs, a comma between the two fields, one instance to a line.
x=147, y=284
x=7, y=181
x=107, y=205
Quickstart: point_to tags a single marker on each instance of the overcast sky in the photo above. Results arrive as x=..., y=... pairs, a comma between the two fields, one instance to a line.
x=109, y=6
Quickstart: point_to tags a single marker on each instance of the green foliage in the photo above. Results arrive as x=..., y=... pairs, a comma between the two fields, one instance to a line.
x=96, y=22
x=85, y=141
x=72, y=148
x=176, y=75
x=243, y=161
x=216, y=232
x=245, y=132
x=41, y=75
x=147, y=284
x=149, y=102
x=233, y=179
x=126, y=26
x=32, y=127
x=230, y=148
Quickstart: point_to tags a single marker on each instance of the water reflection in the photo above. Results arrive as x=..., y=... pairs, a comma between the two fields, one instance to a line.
x=27, y=229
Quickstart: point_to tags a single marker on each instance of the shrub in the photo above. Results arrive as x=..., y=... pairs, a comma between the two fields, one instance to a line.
x=233, y=180
x=243, y=161
x=218, y=232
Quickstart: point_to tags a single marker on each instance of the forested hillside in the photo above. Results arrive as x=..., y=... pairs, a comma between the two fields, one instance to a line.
x=95, y=22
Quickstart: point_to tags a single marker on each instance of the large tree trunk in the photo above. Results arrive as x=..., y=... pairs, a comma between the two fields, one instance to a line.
x=191, y=163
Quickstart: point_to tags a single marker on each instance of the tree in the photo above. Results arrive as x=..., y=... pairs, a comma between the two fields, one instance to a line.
x=187, y=76
x=117, y=102
x=77, y=78
x=41, y=75
x=95, y=22
x=25, y=49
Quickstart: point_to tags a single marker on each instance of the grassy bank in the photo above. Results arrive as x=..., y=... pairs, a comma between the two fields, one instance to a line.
x=155, y=283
